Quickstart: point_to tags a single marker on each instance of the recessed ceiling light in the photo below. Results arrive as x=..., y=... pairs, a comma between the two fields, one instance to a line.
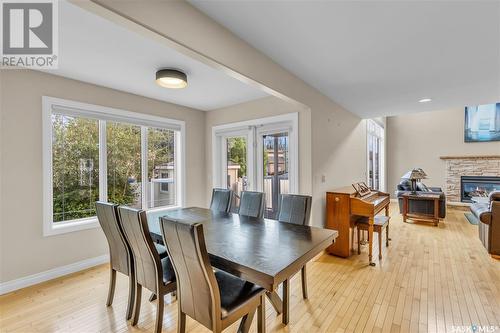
x=171, y=78
x=425, y=100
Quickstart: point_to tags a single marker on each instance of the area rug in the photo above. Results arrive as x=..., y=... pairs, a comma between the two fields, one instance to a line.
x=471, y=218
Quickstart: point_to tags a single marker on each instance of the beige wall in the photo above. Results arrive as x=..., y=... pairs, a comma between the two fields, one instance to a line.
x=419, y=139
x=25, y=250
x=265, y=107
x=338, y=146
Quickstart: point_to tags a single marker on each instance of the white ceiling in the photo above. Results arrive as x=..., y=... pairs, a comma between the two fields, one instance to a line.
x=377, y=57
x=95, y=50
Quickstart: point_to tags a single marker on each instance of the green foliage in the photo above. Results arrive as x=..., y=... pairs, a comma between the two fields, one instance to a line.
x=237, y=153
x=74, y=192
x=123, y=144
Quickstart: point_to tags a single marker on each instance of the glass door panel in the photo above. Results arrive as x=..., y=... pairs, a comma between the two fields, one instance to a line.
x=236, y=175
x=275, y=170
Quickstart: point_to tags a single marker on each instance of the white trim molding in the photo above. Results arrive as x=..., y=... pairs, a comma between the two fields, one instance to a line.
x=7, y=287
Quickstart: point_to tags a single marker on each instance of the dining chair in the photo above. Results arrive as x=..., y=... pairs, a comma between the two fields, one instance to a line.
x=252, y=204
x=296, y=209
x=214, y=299
x=120, y=254
x=221, y=200
x=151, y=272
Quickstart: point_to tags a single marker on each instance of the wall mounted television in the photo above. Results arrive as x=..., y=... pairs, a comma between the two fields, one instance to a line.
x=482, y=123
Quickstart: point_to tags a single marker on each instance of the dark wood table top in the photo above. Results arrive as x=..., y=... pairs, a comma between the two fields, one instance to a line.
x=262, y=251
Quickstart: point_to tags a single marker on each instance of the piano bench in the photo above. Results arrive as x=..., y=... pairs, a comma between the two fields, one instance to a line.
x=380, y=223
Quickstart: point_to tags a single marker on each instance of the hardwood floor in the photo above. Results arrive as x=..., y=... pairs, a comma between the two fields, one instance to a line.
x=431, y=279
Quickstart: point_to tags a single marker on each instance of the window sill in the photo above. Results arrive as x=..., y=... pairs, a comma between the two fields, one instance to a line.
x=70, y=226
x=59, y=228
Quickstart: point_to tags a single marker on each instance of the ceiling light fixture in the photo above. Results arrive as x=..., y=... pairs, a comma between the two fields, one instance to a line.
x=171, y=78
x=425, y=100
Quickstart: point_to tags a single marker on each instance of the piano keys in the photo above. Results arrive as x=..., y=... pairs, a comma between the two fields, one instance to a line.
x=343, y=207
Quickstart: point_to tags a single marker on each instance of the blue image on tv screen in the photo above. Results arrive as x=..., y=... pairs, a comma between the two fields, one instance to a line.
x=482, y=123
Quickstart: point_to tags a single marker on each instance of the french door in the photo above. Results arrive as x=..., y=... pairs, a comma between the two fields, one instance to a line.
x=257, y=158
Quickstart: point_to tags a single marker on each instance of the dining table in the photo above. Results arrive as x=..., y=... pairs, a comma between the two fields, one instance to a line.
x=262, y=251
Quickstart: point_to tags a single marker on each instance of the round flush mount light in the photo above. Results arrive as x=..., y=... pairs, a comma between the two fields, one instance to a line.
x=171, y=78
x=425, y=100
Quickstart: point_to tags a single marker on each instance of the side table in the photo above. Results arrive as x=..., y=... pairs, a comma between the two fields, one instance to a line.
x=433, y=218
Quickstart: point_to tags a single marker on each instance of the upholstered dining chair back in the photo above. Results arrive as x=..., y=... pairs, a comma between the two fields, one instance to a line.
x=197, y=288
x=294, y=208
x=252, y=204
x=146, y=258
x=119, y=249
x=221, y=200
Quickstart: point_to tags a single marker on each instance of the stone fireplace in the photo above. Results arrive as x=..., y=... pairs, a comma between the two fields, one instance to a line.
x=468, y=166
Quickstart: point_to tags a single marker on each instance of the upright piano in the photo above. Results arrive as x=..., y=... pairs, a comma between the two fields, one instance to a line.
x=343, y=207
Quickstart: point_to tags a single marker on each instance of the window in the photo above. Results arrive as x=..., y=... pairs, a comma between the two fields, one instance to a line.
x=75, y=167
x=94, y=153
x=161, y=167
x=123, y=146
x=375, y=158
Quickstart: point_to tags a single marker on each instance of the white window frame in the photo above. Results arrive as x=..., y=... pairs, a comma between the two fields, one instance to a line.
x=381, y=136
x=52, y=105
x=252, y=130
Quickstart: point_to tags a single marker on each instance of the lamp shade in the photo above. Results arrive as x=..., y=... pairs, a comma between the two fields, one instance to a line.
x=415, y=174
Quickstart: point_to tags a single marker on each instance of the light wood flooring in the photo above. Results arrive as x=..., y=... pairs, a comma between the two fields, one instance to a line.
x=431, y=279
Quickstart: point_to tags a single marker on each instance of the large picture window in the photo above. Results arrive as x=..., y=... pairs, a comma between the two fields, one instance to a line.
x=94, y=153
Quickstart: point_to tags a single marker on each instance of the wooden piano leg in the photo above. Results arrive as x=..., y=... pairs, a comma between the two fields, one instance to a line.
x=370, y=241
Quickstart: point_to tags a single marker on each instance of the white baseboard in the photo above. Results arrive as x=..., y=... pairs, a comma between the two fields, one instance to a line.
x=6, y=287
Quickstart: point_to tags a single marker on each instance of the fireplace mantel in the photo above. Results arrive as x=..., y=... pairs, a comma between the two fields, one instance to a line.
x=467, y=157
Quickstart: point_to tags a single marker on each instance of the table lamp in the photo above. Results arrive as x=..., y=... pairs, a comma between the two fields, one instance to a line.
x=414, y=175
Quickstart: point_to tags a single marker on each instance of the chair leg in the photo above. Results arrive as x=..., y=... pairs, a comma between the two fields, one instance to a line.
x=387, y=235
x=112, y=284
x=246, y=322
x=304, y=282
x=137, y=305
x=261, y=315
x=380, y=244
x=131, y=295
x=181, y=323
x=152, y=297
x=159, y=314
x=359, y=242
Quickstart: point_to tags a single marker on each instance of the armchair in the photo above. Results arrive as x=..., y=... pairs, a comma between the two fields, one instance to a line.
x=488, y=215
x=421, y=206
